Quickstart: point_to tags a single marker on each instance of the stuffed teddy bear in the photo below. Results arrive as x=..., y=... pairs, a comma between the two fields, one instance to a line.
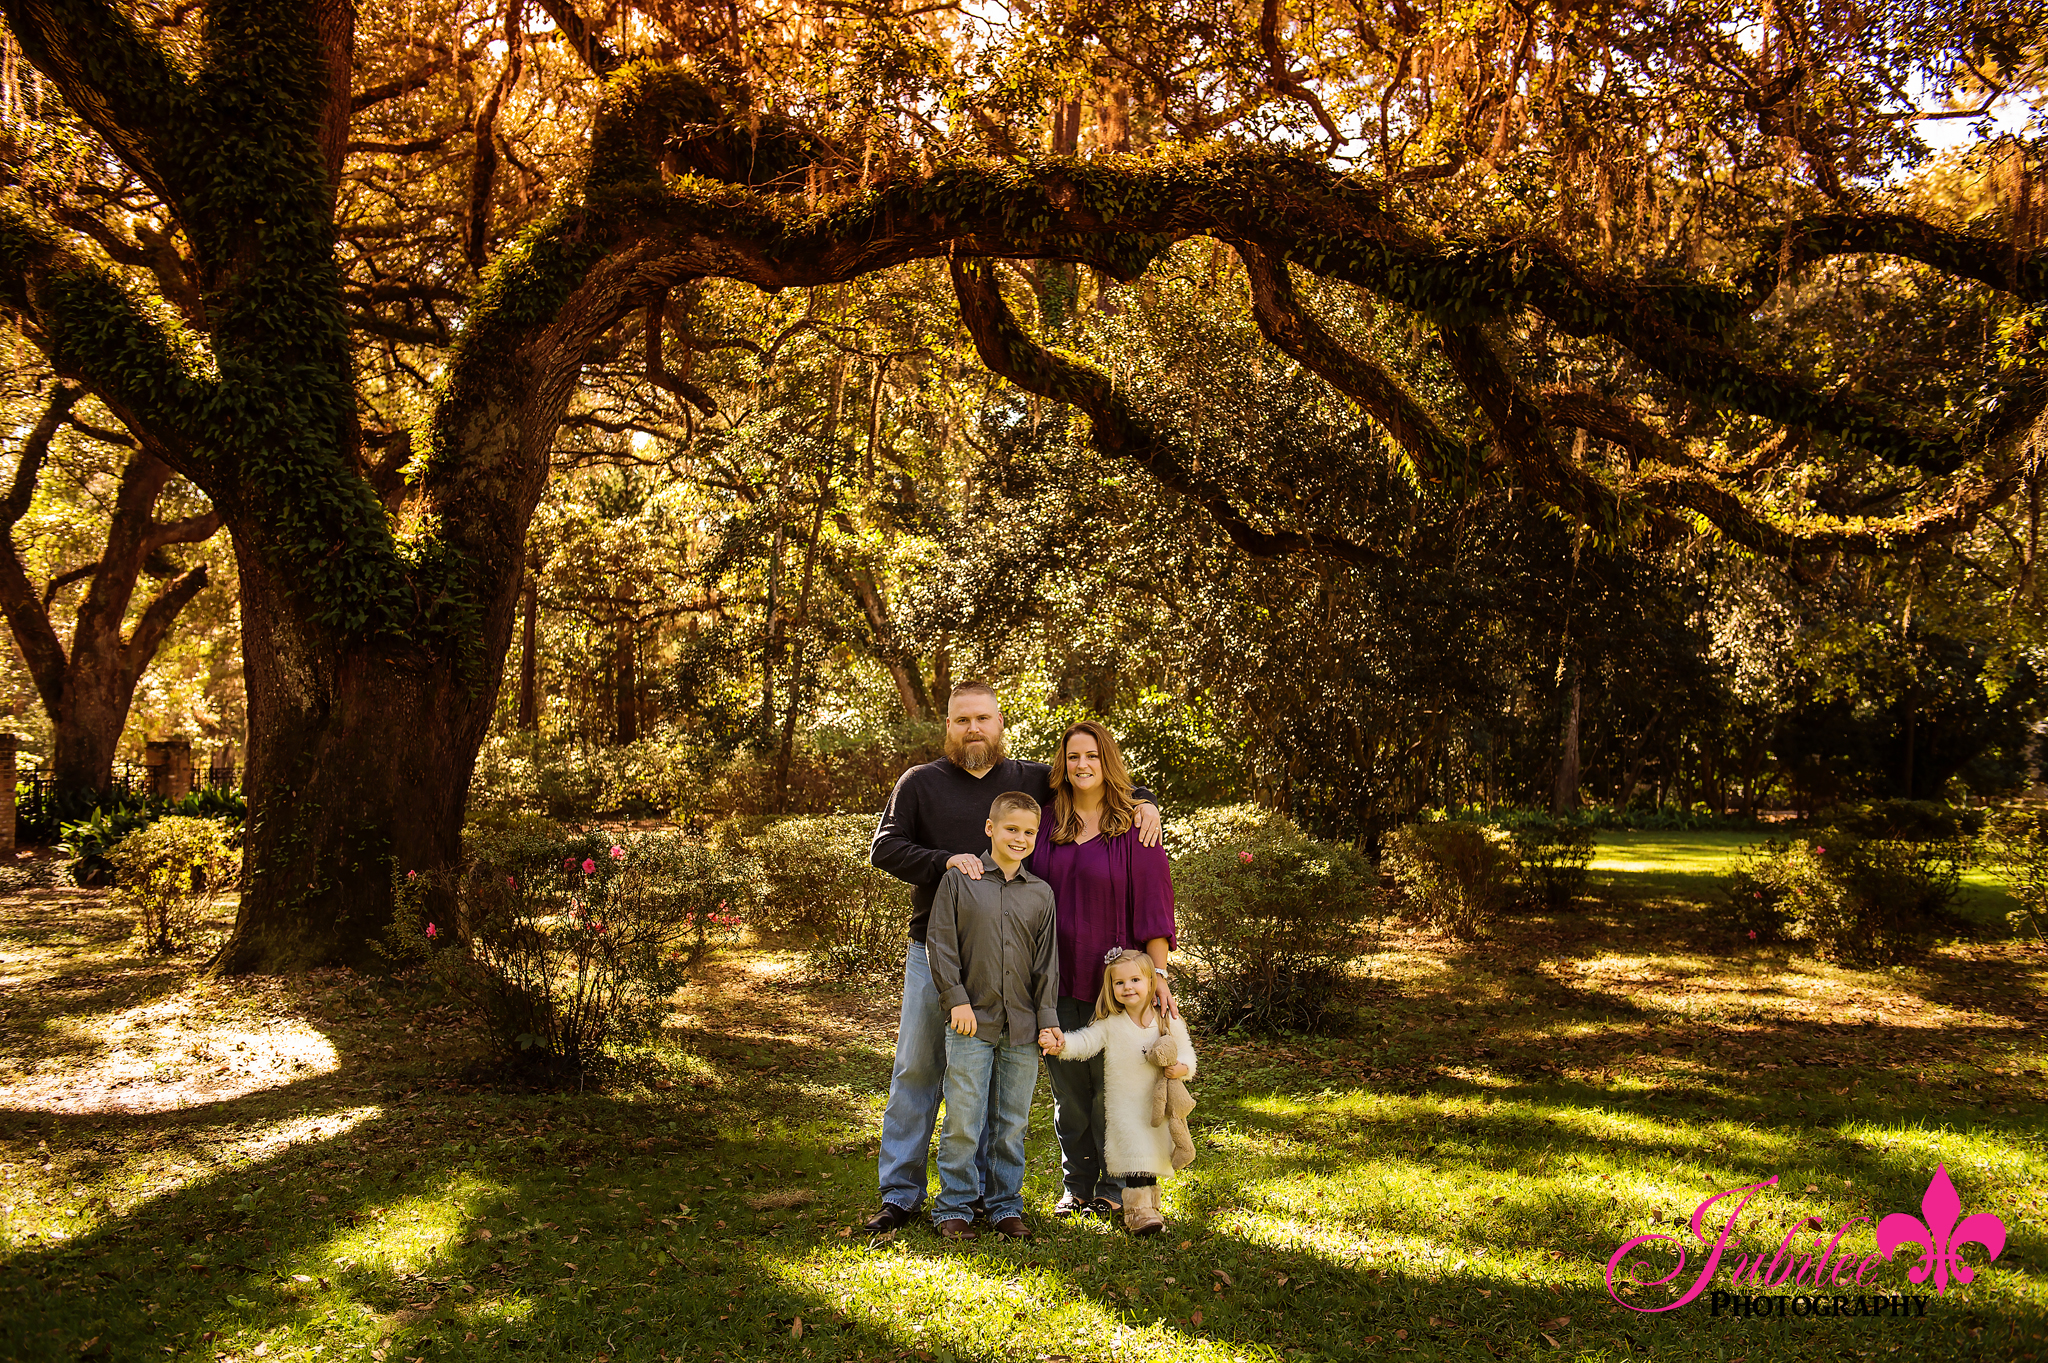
x=1171, y=1103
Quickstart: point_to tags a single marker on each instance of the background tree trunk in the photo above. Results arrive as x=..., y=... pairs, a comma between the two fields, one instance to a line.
x=1566, y=797
x=529, y=696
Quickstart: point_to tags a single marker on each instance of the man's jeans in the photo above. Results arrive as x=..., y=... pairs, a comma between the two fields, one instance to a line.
x=1077, y=1113
x=915, y=1086
x=988, y=1107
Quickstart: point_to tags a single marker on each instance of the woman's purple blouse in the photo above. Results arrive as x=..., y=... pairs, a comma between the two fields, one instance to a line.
x=1109, y=892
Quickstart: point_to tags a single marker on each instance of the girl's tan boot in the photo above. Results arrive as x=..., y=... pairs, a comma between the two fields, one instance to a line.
x=1141, y=1211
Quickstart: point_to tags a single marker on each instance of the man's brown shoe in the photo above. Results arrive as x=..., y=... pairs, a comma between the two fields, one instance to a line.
x=956, y=1230
x=1013, y=1228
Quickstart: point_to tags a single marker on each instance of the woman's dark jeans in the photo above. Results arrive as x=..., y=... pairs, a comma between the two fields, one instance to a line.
x=1077, y=1113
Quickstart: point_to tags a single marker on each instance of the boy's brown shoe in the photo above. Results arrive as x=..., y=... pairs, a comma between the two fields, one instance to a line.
x=956, y=1230
x=1013, y=1228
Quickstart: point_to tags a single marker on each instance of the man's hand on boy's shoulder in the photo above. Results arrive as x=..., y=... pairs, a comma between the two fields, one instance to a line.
x=966, y=863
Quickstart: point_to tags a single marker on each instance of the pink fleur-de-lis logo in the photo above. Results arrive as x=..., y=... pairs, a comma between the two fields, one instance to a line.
x=1940, y=1234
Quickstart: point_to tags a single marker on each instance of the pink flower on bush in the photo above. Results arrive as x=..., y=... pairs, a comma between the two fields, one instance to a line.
x=1752, y=934
x=513, y=883
x=617, y=852
x=1820, y=851
x=589, y=866
x=568, y=863
x=412, y=875
x=1244, y=857
x=433, y=931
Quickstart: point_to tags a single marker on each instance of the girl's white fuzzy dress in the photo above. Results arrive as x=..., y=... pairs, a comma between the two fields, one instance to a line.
x=1132, y=1144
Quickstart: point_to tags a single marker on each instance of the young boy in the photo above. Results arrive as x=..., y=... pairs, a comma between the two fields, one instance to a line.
x=994, y=964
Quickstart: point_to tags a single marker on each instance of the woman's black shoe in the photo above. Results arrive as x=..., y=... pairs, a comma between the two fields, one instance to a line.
x=1068, y=1205
x=1102, y=1206
x=889, y=1218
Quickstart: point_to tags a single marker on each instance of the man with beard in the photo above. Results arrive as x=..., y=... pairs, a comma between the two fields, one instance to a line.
x=937, y=817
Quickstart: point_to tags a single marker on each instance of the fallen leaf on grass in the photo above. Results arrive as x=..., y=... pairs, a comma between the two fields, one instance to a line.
x=1196, y=1318
x=1551, y=1342
x=1226, y=1279
x=1400, y=1334
x=796, y=1331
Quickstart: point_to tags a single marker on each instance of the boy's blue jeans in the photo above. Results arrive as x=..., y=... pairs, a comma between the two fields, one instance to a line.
x=915, y=1085
x=988, y=1092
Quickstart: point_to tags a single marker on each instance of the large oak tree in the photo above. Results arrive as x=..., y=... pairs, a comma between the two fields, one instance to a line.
x=1607, y=379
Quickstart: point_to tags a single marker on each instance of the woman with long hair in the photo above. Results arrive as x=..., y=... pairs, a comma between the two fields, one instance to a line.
x=1112, y=892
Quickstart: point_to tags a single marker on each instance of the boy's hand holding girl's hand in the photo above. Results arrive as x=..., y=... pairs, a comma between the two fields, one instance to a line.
x=1052, y=1040
x=963, y=1020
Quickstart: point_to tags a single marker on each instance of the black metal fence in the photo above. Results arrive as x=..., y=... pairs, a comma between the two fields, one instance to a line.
x=36, y=815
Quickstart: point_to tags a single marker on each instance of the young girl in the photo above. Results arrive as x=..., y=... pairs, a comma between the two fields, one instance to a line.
x=1127, y=1023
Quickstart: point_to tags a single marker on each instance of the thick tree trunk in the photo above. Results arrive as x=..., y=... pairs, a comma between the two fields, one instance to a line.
x=85, y=731
x=358, y=768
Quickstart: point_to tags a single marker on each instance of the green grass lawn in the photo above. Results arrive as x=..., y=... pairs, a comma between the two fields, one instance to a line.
x=317, y=1169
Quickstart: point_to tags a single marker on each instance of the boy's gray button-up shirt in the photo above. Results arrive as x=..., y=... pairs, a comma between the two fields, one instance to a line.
x=992, y=945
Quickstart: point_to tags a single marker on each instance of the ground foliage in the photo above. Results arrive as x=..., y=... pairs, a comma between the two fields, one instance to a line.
x=209, y=1166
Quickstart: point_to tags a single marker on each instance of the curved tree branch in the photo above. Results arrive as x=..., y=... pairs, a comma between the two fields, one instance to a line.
x=1789, y=249
x=1115, y=429
x=1439, y=456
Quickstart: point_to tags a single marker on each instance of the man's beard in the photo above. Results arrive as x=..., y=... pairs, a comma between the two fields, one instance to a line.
x=975, y=756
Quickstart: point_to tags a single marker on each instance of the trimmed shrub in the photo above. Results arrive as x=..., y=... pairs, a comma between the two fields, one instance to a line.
x=1553, y=856
x=1245, y=827
x=89, y=840
x=171, y=873
x=850, y=919
x=1457, y=877
x=1271, y=920
x=2016, y=847
x=1760, y=902
x=1869, y=901
x=1906, y=821
x=561, y=943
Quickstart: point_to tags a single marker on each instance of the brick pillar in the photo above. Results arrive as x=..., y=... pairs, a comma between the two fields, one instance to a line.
x=8, y=743
x=169, y=761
